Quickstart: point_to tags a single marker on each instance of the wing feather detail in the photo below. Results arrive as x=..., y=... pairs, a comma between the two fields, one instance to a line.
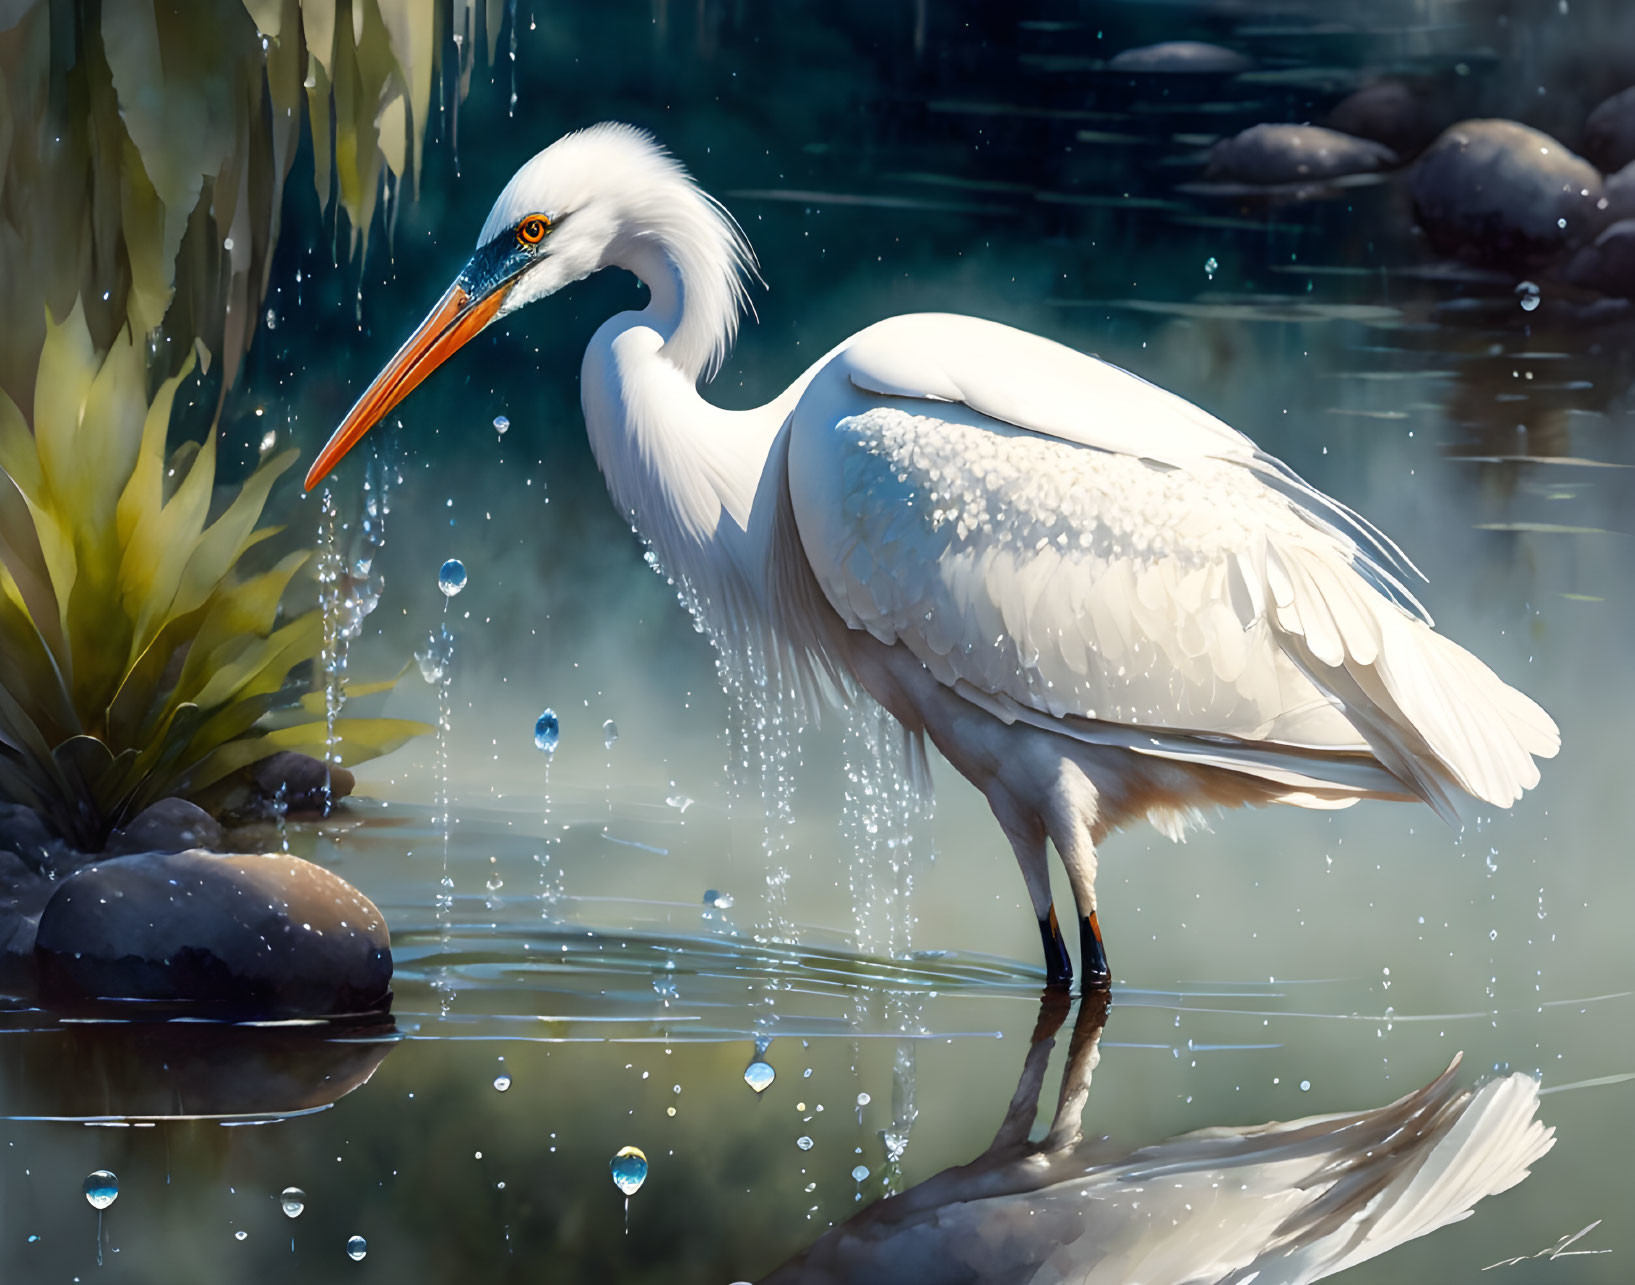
x=1079, y=547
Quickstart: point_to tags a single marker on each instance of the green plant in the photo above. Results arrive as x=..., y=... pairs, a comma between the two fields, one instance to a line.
x=137, y=658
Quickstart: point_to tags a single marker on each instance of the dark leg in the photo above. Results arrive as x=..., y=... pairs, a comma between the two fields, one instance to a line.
x=1058, y=963
x=1093, y=956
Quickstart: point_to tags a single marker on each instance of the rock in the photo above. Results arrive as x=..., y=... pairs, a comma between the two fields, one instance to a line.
x=1268, y=155
x=170, y=825
x=247, y=936
x=1181, y=56
x=1620, y=195
x=309, y=784
x=1609, y=133
x=1388, y=112
x=24, y=890
x=1608, y=264
x=1494, y=191
x=24, y=832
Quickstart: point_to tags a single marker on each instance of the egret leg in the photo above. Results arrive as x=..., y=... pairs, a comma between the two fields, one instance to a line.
x=1068, y=823
x=1093, y=956
x=1027, y=836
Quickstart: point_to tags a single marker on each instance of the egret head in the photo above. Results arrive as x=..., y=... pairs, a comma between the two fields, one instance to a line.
x=604, y=195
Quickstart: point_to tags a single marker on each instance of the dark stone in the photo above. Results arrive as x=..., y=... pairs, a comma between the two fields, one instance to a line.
x=309, y=785
x=1608, y=264
x=1274, y=155
x=1181, y=56
x=24, y=832
x=24, y=890
x=249, y=936
x=1620, y=195
x=1494, y=191
x=1609, y=133
x=170, y=825
x=1390, y=113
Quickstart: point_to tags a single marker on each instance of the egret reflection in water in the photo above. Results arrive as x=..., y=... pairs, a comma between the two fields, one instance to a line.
x=1279, y=1202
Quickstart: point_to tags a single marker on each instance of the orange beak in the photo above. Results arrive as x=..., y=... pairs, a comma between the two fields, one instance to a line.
x=455, y=319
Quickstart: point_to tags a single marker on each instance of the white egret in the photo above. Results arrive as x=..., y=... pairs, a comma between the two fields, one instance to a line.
x=1098, y=601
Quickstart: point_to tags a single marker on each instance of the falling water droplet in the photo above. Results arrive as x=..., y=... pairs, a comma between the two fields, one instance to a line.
x=1527, y=294
x=863, y=1099
x=680, y=802
x=804, y=1143
x=502, y=1083
x=1211, y=267
x=101, y=1189
x=451, y=577
x=547, y=731
x=357, y=1249
x=759, y=1075
x=860, y=1174
x=610, y=733
x=1305, y=1086
x=240, y=1235
x=269, y=439
x=293, y=1201
x=501, y=423
x=629, y=1170
x=718, y=900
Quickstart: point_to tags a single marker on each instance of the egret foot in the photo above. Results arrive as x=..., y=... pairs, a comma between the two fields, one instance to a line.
x=1093, y=956
x=1058, y=963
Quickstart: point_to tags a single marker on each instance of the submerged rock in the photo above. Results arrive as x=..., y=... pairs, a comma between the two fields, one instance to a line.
x=1273, y=155
x=308, y=784
x=170, y=825
x=251, y=936
x=1609, y=133
x=1494, y=191
x=1390, y=113
x=1181, y=56
x=1608, y=263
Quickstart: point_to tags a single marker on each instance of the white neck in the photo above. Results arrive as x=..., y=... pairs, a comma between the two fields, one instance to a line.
x=683, y=472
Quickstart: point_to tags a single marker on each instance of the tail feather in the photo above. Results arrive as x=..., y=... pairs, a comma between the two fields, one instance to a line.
x=1434, y=715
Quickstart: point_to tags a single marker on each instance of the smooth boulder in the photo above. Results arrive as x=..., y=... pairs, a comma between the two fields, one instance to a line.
x=1498, y=192
x=170, y=825
x=250, y=935
x=1275, y=155
x=1607, y=264
x=1388, y=112
x=1609, y=133
x=1620, y=195
x=302, y=783
x=1181, y=56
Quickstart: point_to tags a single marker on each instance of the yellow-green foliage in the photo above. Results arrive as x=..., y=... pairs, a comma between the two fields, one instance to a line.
x=137, y=660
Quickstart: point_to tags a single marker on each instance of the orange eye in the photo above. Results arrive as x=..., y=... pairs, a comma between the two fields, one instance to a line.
x=532, y=230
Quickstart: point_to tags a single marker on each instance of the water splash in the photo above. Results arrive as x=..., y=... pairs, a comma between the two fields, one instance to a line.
x=349, y=588
x=882, y=812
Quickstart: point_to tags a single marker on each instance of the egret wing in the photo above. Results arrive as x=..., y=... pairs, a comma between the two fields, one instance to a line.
x=1064, y=543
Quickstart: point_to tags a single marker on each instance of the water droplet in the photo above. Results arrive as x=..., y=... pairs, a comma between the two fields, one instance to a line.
x=759, y=1075
x=357, y=1249
x=863, y=1099
x=665, y=988
x=269, y=439
x=610, y=733
x=680, y=802
x=860, y=1174
x=293, y=1201
x=1211, y=267
x=1527, y=295
x=451, y=577
x=629, y=1170
x=804, y=1143
x=1305, y=1086
x=502, y=1083
x=547, y=731
x=718, y=900
x=101, y=1189
x=240, y=1235
x=501, y=423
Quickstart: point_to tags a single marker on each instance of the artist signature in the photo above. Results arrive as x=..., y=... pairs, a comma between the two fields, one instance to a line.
x=1561, y=1249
